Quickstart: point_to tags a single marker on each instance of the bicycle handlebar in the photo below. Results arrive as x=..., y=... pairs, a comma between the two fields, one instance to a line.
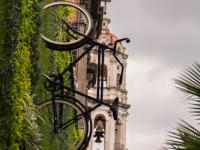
x=120, y=40
x=114, y=48
x=114, y=54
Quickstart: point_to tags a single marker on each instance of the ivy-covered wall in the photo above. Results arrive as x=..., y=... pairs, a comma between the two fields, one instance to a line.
x=23, y=58
x=54, y=62
x=19, y=35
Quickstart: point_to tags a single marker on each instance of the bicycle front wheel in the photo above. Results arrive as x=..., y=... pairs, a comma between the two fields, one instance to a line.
x=71, y=126
x=65, y=25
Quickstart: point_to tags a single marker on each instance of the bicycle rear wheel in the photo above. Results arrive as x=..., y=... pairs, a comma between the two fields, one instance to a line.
x=70, y=136
x=65, y=25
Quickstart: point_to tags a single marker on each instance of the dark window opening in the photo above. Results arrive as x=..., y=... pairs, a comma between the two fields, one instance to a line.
x=92, y=71
x=100, y=120
x=118, y=78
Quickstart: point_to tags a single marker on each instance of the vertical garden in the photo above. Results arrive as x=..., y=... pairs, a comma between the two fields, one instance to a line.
x=23, y=58
x=19, y=35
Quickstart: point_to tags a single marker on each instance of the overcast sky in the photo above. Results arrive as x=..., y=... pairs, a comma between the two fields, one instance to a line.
x=165, y=39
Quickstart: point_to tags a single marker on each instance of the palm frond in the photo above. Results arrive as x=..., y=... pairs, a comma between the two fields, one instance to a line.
x=189, y=84
x=185, y=137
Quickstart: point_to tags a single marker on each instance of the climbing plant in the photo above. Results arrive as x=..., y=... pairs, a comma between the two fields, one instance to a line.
x=23, y=58
x=54, y=62
x=19, y=129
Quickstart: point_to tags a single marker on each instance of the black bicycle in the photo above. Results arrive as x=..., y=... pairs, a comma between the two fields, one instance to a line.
x=69, y=27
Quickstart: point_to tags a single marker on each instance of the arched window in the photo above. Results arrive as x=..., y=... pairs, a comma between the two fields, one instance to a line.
x=105, y=73
x=100, y=118
x=92, y=75
x=99, y=133
x=117, y=81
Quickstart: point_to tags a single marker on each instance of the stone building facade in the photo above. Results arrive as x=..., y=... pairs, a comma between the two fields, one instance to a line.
x=96, y=10
x=115, y=131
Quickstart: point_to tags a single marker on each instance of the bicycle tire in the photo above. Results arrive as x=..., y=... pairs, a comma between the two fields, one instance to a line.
x=55, y=44
x=69, y=138
x=90, y=127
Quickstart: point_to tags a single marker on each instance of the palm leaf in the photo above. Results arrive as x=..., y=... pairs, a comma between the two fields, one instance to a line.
x=185, y=137
x=189, y=84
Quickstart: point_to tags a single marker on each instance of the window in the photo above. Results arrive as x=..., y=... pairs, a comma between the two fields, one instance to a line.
x=105, y=72
x=92, y=71
x=100, y=121
x=118, y=79
x=99, y=133
x=91, y=74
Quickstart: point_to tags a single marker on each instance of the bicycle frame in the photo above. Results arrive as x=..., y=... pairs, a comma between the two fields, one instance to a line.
x=100, y=84
x=65, y=90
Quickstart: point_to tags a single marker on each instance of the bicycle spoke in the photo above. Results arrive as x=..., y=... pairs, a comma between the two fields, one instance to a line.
x=76, y=128
x=67, y=34
x=71, y=121
x=60, y=119
x=71, y=29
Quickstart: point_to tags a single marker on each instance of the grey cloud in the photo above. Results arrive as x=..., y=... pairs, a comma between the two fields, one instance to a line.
x=155, y=35
x=165, y=38
x=172, y=10
x=154, y=104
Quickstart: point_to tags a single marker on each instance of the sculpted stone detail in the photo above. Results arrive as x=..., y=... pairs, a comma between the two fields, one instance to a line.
x=114, y=136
